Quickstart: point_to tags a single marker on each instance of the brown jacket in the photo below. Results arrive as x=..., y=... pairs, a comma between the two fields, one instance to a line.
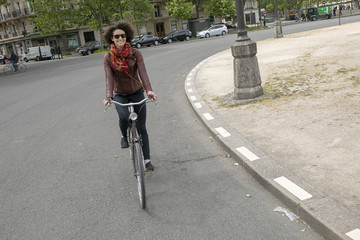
x=120, y=82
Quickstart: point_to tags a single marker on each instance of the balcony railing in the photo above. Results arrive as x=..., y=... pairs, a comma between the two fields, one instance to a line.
x=15, y=14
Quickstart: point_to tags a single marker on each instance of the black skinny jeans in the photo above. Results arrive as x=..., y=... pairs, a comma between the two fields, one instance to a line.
x=123, y=113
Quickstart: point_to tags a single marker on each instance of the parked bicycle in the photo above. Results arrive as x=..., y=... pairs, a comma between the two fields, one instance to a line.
x=8, y=69
x=135, y=142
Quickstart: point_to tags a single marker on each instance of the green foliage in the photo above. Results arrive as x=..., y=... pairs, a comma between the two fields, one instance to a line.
x=52, y=15
x=199, y=5
x=180, y=9
x=95, y=13
x=136, y=11
x=221, y=8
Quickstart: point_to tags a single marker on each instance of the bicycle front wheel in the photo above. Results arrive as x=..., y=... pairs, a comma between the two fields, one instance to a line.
x=8, y=69
x=139, y=173
x=21, y=67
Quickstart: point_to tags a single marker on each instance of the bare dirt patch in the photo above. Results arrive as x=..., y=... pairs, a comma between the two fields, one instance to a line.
x=313, y=127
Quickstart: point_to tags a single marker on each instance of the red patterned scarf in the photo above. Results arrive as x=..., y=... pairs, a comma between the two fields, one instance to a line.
x=120, y=58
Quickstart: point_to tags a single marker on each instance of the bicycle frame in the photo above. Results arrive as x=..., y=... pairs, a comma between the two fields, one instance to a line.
x=132, y=134
x=136, y=155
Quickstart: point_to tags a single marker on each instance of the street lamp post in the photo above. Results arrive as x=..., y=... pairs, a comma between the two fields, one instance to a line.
x=277, y=24
x=247, y=79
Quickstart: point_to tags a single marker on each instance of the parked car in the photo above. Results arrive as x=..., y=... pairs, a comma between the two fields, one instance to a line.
x=216, y=30
x=177, y=35
x=88, y=48
x=146, y=40
x=228, y=24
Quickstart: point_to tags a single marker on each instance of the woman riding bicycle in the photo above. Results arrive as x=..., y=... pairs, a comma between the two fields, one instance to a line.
x=123, y=65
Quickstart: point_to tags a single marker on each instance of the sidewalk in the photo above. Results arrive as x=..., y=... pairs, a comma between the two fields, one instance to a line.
x=304, y=145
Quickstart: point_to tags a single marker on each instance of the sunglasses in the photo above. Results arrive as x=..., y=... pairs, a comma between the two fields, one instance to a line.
x=117, y=36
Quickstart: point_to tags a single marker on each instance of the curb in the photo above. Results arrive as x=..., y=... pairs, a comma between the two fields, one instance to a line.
x=325, y=215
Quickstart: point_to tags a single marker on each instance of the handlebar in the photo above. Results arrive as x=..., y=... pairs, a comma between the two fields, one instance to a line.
x=131, y=103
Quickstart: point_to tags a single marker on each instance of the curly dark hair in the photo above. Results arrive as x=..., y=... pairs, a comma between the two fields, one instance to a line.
x=125, y=26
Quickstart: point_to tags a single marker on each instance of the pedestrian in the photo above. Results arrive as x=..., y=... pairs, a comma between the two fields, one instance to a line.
x=126, y=80
x=303, y=18
x=334, y=11
x=58, y=51
x=296, y=16
x=14, y=60
x=52, y=53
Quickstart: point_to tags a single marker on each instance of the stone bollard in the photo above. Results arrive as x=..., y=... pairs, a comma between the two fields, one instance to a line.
x=277, y=29
x=247, y=78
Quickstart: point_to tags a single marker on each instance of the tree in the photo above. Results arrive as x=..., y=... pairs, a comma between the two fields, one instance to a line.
x=52, y=16
x=95, y=13
x=136, y=12
x=221, y=8
x=180, y=9
x=198, y=4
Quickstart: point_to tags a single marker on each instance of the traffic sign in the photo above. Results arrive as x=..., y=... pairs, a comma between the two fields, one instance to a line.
x=264, y=12
x=324, y=2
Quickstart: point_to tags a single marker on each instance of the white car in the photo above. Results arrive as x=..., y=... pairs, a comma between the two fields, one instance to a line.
x=215, y=30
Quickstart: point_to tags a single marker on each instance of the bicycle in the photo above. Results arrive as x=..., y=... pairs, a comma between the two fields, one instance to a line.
x=10, y=69
x=135, y=142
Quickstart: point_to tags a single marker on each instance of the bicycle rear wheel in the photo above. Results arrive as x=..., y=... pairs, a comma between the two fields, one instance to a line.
x=21, y=67
x=139, y=173
x=8, y=69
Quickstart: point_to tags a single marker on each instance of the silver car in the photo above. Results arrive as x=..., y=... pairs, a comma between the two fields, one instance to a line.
x=215, y=30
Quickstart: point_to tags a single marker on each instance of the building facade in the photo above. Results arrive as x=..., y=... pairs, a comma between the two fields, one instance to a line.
x=17, y=32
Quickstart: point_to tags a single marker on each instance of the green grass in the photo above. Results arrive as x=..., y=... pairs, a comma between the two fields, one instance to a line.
x=102, y=51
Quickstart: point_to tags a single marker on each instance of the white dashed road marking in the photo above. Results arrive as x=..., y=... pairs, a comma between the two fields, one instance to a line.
x=208, y=116
x=198, y=105
x=354, y=234
x=223, y=132
x=247, y=153
x=293, y=188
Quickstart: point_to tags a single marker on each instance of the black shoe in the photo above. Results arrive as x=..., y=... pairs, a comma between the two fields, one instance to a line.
x=124, y=143
x=149, y=167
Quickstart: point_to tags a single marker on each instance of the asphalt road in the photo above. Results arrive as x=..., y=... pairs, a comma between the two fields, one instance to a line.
x=64, y=176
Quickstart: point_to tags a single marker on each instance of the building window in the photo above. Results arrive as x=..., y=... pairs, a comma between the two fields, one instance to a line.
x=173, y=25
x=18, y=8
x=13, y=30
x=5, y=33
x=157, y=11
x=248, y=5
x=185, y=24
x=23, y=28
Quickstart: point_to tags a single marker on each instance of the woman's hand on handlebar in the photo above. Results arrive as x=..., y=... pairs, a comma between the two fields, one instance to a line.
x=106, y=102
x=152, y=95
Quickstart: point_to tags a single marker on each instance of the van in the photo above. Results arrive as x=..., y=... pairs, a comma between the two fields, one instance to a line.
x=37, y=53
